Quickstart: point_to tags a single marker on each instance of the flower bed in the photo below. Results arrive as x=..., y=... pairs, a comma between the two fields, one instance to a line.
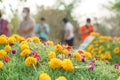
x=30, y=59
x=105, y=48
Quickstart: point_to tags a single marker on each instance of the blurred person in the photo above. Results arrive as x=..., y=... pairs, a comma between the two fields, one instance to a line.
x=26, y=27
x=42, y=29
x=4, y=26
x=69, y=32
x=85, y=30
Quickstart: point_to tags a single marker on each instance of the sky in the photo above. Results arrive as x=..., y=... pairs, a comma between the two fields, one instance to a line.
x=87, y=8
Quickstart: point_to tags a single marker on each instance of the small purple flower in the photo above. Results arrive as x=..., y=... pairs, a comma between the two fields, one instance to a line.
x=32, y=52
x=92, y=66
x=116, y=65
x=69, y=54
x=83, y=59
x=14, y=51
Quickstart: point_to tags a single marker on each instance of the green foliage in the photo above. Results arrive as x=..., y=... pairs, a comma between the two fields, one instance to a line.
x=116, y=6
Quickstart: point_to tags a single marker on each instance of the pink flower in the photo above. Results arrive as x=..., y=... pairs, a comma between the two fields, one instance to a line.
x=69, y=54
x=83, y=59
x=116, y=65
x=92, y=66
x=14, y=51
x=33, y=52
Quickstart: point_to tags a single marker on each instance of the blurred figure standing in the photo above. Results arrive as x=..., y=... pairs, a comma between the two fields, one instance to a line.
x=26, y=27
x=42, y=29
x=4, y=26
x=69, y=32
x=85, y=30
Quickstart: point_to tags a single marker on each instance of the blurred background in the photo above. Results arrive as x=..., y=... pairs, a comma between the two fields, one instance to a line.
x=105, y=14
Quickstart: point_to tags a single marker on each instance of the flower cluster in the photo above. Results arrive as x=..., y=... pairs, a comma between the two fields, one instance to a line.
x=58, y=48
x=30, y=61
x=44, y=76
x=25, y=52
x=52, y=55
x=24, y=46
x=77, y=56
x=36, y=40
x=3, y=53
x=7, y=48
x=1, y=64
x=3, y=39
x=50, y=43
x=11, y=40
x=104, y=47
x=55, y=63
x=61, y=78
x=67, y=65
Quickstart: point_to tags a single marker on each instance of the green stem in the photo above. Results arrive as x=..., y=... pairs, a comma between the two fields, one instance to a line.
x=34, y=67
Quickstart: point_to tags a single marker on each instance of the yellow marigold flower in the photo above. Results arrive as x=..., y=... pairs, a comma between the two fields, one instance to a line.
x=11, y=40
x=95, y=34
x=51, y=55
x=58, y=48
x=55, y=63
x=99, y=52
x=87, y=54
x=36, y=40
x=108, y=46
x=77, y=56
x=3, y=53
x=101, y=48
x=7, y=48
x=97, y=45
x=92, y=51
x=61, y=78
x=116, y=50
x=108, y=55
x=50, y=42
x=101, y=40
x=3, y=40
x=30, y=61
x=4, y=36
x=44, y=76
x=24, y=46
x=118, y=78
x=23, y=42
x=90, y=47
x=102, y=37
x=94, y=54
x=102, y=56
x=29, y=39
x=1, y=64
x=67, y=65
x=65, y=51
x=25, y=52
x=17, y=37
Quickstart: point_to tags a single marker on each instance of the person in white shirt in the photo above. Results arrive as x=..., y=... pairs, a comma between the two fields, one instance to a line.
x=69, y=32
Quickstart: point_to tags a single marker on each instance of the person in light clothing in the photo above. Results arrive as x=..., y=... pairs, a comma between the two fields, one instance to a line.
x=69, y=32
x=26, y=27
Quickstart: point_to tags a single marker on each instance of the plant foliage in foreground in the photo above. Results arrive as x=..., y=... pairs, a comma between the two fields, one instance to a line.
x=29, y=59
